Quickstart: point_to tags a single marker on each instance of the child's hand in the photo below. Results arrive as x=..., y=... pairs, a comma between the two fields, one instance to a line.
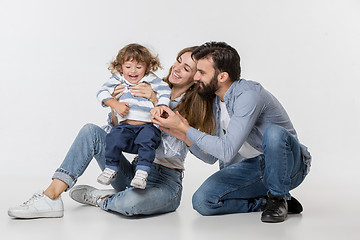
x=156, y=111
x=122, y=108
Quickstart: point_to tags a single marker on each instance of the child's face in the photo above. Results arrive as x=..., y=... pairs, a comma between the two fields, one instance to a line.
x=133, y=71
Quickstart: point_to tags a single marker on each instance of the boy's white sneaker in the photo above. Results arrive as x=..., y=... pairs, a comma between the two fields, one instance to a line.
x=140, y=179
x=38, y=206
x=89, y=195
x=107, y=176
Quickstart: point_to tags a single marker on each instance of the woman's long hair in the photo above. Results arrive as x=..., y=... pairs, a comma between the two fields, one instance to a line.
x=197, y=111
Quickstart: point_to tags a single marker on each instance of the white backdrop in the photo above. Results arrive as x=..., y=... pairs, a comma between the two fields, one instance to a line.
x=54, y=57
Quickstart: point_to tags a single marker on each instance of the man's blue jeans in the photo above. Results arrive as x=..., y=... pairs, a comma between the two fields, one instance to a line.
x=163, y=190
x=243, y=186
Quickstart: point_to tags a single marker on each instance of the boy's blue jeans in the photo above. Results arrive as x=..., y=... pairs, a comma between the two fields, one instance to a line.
x=138, y=139
x=243, y=186
x=163, y=190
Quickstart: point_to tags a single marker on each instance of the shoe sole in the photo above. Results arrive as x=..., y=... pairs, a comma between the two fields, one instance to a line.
x=49, y=214
x=103, y=183
x=137, y=186
x=294, y=206
x=268, y=219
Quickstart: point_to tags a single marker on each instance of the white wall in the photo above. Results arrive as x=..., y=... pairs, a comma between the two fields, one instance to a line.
x=54, y=56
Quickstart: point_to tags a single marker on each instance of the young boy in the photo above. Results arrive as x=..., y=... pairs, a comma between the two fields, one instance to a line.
x=135, y=133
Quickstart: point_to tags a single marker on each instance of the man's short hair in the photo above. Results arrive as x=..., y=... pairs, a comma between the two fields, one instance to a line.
x=225, y=58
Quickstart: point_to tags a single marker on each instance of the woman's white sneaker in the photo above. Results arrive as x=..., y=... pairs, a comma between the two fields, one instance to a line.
x=38, y=206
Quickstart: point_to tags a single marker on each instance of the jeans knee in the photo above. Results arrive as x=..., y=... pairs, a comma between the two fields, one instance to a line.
x=90, y=130
x=89, y=127
x=274, y=132
x=128, y=210
x=199, y=203
x=274, y=136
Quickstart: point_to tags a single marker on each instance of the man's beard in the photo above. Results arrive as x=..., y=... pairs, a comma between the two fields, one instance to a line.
x=207, y=92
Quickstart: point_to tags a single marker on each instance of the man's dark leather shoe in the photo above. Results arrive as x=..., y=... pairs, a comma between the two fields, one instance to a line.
x=276, y=210
x=294, y=206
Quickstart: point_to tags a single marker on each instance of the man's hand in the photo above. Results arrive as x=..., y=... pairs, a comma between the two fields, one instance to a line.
x=173, y=121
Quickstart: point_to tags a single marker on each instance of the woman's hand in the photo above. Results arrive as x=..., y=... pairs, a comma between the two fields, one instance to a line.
x=118, y=91
x=144, y=90
x=122, y=108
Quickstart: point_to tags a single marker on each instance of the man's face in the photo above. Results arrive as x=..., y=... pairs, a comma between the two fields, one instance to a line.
x=206, y=77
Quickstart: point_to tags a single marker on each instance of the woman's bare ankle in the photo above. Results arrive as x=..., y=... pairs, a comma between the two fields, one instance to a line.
x=51, y=194
x=55, y=189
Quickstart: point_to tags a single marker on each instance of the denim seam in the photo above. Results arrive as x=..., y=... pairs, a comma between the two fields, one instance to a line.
x=262, y=172
x=285, y=138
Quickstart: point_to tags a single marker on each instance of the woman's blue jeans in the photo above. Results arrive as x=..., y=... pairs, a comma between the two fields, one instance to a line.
x=243, y=186
x=163, y=190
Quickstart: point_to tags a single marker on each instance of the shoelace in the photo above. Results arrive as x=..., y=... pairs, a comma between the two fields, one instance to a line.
x=34, y=197
x=92, y=199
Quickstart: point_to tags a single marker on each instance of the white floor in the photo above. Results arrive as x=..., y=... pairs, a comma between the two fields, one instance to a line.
x=54, y=55
x=327, y=215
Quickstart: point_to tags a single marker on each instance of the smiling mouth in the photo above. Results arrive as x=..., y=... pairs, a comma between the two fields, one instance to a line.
x=175, y=75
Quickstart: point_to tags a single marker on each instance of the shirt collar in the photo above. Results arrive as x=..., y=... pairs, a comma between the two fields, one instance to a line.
x=175, y=102
x=229, y=92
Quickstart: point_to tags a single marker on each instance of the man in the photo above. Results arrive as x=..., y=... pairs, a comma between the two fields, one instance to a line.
x=259, y=154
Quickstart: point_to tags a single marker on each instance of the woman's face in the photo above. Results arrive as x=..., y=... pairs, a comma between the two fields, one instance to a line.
x=183, y=71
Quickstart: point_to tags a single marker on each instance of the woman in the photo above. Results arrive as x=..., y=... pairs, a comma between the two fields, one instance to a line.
x=164, y=187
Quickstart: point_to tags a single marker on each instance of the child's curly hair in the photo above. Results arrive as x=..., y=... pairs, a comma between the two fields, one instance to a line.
x=138, y=53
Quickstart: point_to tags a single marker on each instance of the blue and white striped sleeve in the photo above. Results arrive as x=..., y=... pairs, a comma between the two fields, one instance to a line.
x=107, y=89
x=163, y=92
